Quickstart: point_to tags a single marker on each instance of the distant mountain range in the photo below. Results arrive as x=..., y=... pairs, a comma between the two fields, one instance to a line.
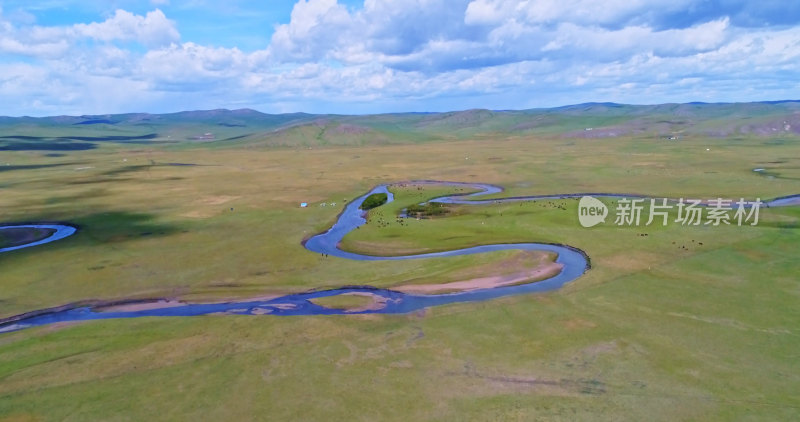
x=252, y=128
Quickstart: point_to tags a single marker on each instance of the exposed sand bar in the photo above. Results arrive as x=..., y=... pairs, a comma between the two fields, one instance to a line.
x=141, y=306
x=544, y=271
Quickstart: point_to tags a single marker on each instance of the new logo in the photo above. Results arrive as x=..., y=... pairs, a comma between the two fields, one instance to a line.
x=591, y=211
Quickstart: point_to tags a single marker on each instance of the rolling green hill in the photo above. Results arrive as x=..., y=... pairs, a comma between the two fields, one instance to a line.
x=252, y=128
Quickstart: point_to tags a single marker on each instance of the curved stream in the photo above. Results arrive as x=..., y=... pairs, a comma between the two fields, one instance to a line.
x=574, y=261
x=60, y=231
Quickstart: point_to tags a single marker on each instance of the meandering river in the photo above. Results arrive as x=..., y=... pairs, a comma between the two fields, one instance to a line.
x=60, y=231
x=574, y=262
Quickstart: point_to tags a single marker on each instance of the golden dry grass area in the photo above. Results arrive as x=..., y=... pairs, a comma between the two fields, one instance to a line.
x=661, y=328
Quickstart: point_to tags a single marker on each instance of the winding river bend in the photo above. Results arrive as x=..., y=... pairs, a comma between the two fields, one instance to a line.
x=59, y=231
x=574, y=262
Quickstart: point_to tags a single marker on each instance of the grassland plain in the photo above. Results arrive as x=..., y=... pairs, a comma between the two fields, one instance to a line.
x=661, y=328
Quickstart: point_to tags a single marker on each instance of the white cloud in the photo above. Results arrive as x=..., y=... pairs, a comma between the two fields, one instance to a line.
x=10, y=45
x=420, y=55
x=434, y=36
x=488, y=12
x=151, y=30
x=583, y=12
x=610, y=45
x=316, y=28
x=190, y=63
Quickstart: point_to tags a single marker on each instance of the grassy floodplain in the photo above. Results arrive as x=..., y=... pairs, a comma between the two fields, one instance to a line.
x=661, y=327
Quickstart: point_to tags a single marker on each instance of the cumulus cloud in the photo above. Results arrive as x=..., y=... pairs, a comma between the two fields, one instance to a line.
x=12, y=45
x=317, y=28
x=151, y=30
x=610, y=45
x=189, y=63
x=434, y=36
x=416, y=54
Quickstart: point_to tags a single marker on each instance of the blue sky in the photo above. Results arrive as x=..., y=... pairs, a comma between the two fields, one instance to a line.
x=373, y=56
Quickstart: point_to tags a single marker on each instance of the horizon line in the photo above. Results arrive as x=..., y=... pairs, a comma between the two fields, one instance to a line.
x=509, y=110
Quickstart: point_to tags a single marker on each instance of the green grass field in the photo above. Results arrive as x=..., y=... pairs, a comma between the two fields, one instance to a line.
x=661, y=327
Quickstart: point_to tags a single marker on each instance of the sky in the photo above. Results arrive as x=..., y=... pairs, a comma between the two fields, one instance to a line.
x=80, y=57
